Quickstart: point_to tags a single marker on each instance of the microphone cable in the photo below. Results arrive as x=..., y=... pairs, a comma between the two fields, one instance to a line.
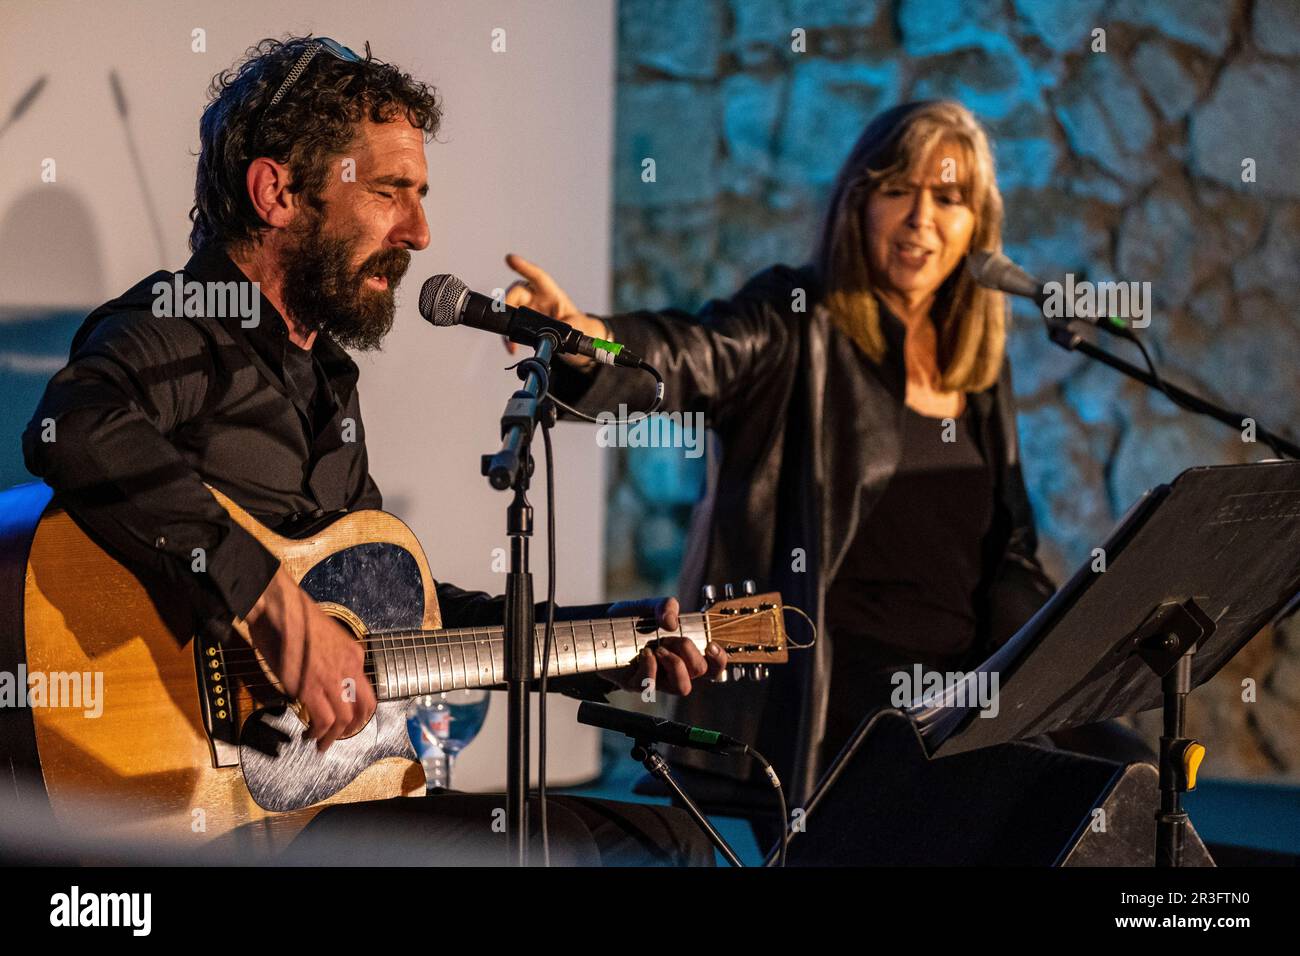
x=780, y=796
x=654, y=407
x=546, y=643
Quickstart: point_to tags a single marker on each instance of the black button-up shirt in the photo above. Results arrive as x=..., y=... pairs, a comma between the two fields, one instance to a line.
x=150, y=407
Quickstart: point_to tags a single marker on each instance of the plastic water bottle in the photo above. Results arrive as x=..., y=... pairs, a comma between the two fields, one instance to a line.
x=428, y=721
x=441, y=726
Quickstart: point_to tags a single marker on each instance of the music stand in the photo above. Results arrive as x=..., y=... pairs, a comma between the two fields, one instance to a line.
x=1193, y=572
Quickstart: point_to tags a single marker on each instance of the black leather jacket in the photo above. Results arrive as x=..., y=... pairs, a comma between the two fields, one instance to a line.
x=809, y=435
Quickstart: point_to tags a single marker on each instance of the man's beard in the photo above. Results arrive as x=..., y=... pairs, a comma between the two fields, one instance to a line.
x=324, y=292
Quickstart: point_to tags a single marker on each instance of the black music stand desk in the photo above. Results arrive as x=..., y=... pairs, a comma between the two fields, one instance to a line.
x=1194, y=570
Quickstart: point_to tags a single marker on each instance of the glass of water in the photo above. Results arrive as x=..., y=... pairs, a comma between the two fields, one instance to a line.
x=441, y=726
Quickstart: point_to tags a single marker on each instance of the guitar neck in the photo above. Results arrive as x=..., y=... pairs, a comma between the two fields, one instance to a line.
x=410, y=663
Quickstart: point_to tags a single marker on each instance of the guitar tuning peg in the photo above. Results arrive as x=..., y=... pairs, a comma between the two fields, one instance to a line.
x=748, y=586
x=708, y=596
x=758, y=672
x=728, y=591
x=737, y=671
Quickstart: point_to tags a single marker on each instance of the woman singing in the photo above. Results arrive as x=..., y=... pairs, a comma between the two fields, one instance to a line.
x=869, y=466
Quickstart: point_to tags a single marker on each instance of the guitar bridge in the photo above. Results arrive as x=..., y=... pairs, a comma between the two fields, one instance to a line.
x=217, y=701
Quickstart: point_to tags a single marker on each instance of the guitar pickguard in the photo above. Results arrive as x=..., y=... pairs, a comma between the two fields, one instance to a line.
x=380, y=584
x=283, y=770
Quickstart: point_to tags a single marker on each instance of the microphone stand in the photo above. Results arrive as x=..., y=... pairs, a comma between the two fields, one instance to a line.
x=511, y=467
x=1067, y=338
x=644, y=751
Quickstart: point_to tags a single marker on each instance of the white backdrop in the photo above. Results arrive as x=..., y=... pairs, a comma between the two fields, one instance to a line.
x=522, y=164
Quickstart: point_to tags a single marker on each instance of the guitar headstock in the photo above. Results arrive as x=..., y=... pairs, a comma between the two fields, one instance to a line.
x=750, y=628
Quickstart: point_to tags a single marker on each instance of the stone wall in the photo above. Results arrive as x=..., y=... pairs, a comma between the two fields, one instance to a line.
x=1149, y=140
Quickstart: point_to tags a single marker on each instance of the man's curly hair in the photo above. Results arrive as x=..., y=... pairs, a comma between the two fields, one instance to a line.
x=316, y=120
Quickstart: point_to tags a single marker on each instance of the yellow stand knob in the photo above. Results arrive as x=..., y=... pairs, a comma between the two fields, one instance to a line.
x=1192, y=757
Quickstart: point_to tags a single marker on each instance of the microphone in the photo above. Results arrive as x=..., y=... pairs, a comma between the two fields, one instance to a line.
x=993, y=270
x=445, y=300
x=643, y=727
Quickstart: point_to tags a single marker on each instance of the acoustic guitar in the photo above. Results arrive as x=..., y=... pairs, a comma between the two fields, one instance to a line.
x=194, y=740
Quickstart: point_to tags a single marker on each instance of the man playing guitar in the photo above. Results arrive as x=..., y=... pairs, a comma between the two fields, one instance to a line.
x=309, y=187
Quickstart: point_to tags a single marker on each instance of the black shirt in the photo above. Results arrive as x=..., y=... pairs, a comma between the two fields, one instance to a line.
x=906, y=591
x=150, y=407
x=302, y=376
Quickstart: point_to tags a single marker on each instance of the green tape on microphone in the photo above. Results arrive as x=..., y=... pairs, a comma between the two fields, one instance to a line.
x=699, y=735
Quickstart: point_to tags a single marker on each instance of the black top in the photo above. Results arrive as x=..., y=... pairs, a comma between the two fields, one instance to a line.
x=809, y=432
x=302, y=377
x=150, y=408
x=906, y=590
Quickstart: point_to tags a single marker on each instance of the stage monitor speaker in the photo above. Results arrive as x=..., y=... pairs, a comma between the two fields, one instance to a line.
x=884, y=802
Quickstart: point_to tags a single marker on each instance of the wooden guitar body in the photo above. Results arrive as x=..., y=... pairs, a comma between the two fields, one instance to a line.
x=145, y=731
x=161, y=760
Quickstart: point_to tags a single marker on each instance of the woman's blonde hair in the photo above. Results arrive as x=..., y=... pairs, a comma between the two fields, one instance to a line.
x=970, y=320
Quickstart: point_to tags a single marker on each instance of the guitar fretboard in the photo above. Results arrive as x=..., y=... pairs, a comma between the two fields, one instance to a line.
x=409, y=663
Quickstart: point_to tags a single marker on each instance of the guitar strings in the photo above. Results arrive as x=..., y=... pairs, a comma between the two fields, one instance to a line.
x=412, y=639
x=418, y=641
x=399, y=641
x=490, y=633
